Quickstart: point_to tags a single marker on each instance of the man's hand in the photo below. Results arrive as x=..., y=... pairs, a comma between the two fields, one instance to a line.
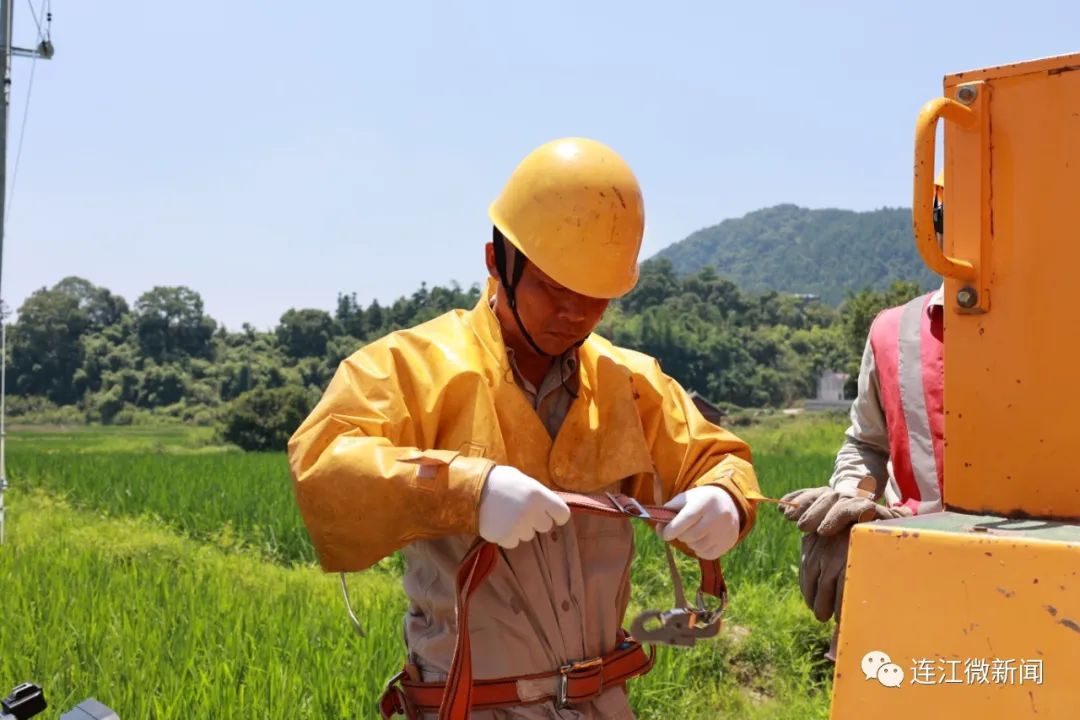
x=821, y=573
x=514, y=507
x=826, y=516
x=827, y=512
x=797, y=502
x=847, y=511
x=707, y=521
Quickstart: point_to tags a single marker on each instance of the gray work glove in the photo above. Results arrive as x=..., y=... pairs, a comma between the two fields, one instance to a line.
x=801, y=500
x=847, y=511
x=826, y=512
x=826, y=517
x=821, y=573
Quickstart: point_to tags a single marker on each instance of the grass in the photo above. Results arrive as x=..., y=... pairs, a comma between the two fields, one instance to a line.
x=170, y=578
x=156, y=625
x=183, y=439
x=204, y=495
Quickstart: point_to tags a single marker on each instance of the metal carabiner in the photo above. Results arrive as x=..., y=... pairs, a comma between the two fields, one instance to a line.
x=682, y=625
x=678, y=626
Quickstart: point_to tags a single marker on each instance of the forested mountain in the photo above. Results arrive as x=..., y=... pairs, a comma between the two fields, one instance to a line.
x=791, y=249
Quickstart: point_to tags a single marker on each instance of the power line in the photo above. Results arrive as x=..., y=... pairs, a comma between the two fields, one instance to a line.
x=47, y=12
x=22, y=134
x=33, y=13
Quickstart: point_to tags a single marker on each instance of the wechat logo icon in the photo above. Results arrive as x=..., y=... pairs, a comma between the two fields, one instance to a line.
x=876, y=665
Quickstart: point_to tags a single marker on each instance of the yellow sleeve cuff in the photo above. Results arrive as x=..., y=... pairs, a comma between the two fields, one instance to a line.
x=457, y=479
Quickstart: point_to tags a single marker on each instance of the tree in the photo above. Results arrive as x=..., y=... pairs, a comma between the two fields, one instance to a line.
x=350, y=316
x=170, y=324
x=78, y=345
x=102, y=308
x=860, y=309
x=162, y=385
x=265, y=419
x=657, y=283
x=304, y=333
x=338, y=349
x=375, y=319
x=47, y=342
x=45, y=345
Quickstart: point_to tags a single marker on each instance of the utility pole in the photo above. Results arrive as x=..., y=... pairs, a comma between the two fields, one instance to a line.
x=44, y=50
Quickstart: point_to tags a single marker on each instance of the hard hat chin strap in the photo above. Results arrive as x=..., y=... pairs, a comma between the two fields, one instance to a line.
x=510, y=285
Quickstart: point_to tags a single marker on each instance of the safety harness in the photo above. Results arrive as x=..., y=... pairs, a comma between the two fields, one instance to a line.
x=572, y=683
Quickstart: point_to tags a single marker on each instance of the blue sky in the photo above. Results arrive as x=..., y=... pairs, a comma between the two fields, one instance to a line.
x=270, y=154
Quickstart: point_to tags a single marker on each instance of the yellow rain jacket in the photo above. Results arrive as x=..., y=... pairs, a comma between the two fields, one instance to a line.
x=395, y=454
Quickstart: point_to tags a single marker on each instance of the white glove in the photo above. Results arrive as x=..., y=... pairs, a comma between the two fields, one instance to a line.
x=514, y=507
x=707, y=522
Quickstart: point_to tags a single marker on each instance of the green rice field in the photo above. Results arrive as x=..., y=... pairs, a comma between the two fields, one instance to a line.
x=172, y=578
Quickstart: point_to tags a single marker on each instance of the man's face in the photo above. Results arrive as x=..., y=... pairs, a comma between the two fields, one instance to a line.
x=555, y=317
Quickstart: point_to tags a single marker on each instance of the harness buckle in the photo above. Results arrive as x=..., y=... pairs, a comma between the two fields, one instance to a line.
x=629, y=506
x=564, y=673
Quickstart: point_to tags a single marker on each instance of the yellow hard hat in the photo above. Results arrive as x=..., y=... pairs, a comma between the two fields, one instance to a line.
x=939, y=186
x=573, y=207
